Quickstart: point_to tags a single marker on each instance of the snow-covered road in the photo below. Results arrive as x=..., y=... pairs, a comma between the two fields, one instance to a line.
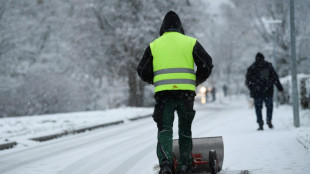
x=98, y=151
x=130, y=148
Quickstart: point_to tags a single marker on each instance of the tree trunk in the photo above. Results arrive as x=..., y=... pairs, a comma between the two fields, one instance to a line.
x=141, y=93
x=136, y=89
x=132, y=83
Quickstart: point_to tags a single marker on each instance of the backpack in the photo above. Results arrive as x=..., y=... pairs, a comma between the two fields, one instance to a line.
x=264, y=74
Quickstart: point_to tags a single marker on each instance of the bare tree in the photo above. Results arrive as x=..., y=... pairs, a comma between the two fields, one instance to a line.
x=258, y=13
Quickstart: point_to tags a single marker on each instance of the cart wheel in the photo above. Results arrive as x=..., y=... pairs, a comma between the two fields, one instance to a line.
x=213, y=161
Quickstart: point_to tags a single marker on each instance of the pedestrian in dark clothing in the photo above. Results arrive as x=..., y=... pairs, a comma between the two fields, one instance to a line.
x=168, y=64
x=207, y=95
x=260, y=79
x=225, y=88
x=213, y=92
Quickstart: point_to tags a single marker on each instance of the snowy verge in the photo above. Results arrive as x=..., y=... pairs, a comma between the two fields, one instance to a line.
x=21, y=129
x=49, y=137
x=303, y=133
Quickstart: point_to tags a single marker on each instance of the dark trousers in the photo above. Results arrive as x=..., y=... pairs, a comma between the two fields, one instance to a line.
x=164, y=117
x=258, y=103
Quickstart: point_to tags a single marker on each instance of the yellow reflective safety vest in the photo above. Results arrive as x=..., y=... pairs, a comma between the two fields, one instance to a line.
x=173, y=62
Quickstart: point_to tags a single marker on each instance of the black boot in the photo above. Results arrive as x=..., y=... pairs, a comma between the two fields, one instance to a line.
x=260, y=127
x=165, y=167
x=185, y=170
x=270, y=124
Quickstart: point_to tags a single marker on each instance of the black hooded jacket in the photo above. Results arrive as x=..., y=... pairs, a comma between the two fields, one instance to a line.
x=261, y=77
x=202, y=60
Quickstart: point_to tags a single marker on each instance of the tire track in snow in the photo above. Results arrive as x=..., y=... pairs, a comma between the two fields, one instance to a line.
x=132, y=160
x=107, y=159
x=112, y=153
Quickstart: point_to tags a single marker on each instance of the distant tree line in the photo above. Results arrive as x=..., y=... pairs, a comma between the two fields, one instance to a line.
x=248, y=28
x=65, y=56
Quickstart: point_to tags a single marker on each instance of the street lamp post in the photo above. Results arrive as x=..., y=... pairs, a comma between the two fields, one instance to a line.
x=293, y=67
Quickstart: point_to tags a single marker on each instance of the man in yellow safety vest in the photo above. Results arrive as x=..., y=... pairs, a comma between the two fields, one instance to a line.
x=168, y=63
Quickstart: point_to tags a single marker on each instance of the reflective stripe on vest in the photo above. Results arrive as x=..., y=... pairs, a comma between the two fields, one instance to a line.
x=174, y=70
x=173, y=62
x=175, y=81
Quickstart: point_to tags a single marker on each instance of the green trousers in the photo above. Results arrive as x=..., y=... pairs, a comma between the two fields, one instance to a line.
x=164, y=117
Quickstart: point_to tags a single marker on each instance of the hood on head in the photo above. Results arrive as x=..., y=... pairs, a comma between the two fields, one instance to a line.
x=171, y=22
x=259, y=57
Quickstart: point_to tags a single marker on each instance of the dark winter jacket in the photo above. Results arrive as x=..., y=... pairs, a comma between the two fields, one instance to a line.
x=202, y=60
x=261, y=77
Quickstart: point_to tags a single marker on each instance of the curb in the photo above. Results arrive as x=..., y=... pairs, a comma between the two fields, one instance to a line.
x=7, y=145
x=53, y=136
x=301, y=142
x=140, y=117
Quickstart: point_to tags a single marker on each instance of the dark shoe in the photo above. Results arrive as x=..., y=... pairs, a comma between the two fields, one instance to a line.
x=165, y=168
x=185, y=170
x=260, y=127
x=270, y=125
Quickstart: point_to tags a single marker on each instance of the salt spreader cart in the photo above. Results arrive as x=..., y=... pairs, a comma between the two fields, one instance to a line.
x=208, y=154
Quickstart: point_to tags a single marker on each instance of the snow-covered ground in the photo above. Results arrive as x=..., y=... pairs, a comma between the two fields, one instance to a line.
x=20, y=129
x=130, y=147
